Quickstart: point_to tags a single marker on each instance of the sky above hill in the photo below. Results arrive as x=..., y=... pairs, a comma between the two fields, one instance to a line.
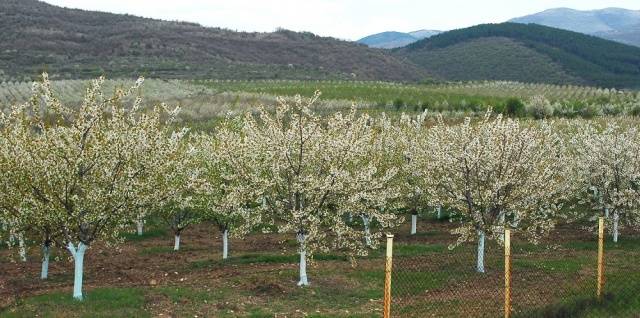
x=344, y=19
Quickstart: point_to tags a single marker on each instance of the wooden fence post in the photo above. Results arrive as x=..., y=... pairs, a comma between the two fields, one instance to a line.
x=600, y=257
x=507, y=273
x=387, y=277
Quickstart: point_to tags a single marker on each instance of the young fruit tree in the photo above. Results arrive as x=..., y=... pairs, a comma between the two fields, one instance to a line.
x=12, y=203
x=313, y=172
x=178, y=216
x=606, y=167
x=86, y=166
x=173, y=183
x=167, y=190
x=384, y=153
x=19, y=211
x=406, y=135
x=494, y=174
x=227, y=195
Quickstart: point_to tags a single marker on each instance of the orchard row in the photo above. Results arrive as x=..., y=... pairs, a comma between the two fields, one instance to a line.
x=72, y=176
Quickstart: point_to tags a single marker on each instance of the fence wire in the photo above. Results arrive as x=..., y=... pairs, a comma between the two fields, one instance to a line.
x=444, y=283
x=556, y=278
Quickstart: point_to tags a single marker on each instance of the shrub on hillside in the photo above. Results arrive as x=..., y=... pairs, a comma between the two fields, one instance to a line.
x=514, y=107
x=539, y=107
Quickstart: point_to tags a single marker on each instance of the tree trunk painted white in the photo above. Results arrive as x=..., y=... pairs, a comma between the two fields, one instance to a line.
x=480, y=264
x=46, y=252
x=616, y=218
x=225, y=244
x=367, y=232
x=78, y=257
x=350, y=217
x=414, y=223
x=22, y=247
x=139, y=226
x=439, y=209
x=176, y=244
x=303, y=260
x=606, y=213
x=502, y=223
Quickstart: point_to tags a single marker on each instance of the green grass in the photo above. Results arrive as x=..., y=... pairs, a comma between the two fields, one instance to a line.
x=101, y=302
x=551, y=265
x=408, y=250
x=409, y=281
x=405, y=250
x=623, y=243
x=413, y=282
x=152, y=233
x=253, y=258
x=620, y=300
x=182, y=295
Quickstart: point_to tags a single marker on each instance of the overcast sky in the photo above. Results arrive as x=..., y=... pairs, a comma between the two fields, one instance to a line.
x=345, y=19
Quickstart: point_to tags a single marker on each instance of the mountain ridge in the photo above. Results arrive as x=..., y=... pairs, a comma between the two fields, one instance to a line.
x=612, y=23
x=395, y=39
x=74, y=43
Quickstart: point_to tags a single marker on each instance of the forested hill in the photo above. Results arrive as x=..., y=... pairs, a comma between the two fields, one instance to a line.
x=528, y=53
x=74, y=43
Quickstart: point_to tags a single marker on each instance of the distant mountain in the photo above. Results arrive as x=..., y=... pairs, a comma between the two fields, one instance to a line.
x=74, y=43
x=615, y=24
x=392, y=39
x=527, y=53
x=423, y=34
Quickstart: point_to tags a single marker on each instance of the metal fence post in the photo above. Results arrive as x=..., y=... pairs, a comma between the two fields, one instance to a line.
x=600, y=257
x=507, y=273
x=387, y=277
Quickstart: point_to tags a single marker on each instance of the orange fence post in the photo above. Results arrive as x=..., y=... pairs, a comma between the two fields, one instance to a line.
x=507, y=273
x=600, y=257
x=387, y=277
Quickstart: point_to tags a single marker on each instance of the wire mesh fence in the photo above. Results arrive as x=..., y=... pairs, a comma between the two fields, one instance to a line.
x=556, y=278
x=444, y=283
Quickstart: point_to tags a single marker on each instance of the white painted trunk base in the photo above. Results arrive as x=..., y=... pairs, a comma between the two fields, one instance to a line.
x=225, y=244
x=22, y=248
x=480, y=264
x=303, y=261
x=502, y=223
x=616, y=219
x=176, y=244
x=367, y=232
x=78, y=258
x=46, y=252
x=414, y=223
x=139, y=226
x=439, y=210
